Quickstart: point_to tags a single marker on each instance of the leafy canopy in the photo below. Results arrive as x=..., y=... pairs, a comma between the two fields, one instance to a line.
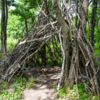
x=25, y=8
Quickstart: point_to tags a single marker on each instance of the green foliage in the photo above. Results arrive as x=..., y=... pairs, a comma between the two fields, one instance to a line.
x=15, y=94
x=30, y=83
x=14, y=27
x=62, y=93
x=56, y=55
x=17, y=85
x=94, y=98
x=96, y=30
x=11, y=43
x=55, y=86
x=72, y=93
x=82, y=93
x=10, y=2
x=3, y=85
x=25, y=8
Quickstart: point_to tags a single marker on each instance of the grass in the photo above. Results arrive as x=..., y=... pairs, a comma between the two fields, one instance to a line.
x=11, y=42
x=72, y=93
x=17, y=85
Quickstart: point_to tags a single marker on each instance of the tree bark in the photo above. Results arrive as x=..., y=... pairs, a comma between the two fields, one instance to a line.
x=44, y=47
x=76, y=24
x=26, y=27
x=84, y=13
x=74, y=61
x=71, y=76
x=65, y=31
x=4, y=16
x=93, y=20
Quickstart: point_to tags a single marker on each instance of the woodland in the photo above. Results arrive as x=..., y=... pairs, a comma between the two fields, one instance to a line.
x=39, y=36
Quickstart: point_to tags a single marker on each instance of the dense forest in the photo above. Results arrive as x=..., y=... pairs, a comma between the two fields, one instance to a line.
x=40, y=38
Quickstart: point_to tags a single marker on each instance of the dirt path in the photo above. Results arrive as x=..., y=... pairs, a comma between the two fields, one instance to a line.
x=43, y=93
x=44, y=81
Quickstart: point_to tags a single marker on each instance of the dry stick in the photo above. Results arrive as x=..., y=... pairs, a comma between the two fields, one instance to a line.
x=36, y=17
x=80, y=47
x=83, y=55
x=95, y=78
x=78, y=34
x=29, y=56
x=51, y=23
x=77, y=64
x=43, y=11
x=41, y=46
x=14, y=64
x=89, y=71
x=39, y=32
x=87, y=40
x=12, y=75
x=76, y=72
x=92, y=65
x=32, y=25
x=89, y=57
x=76, y=60
x=63, y=62
x=74, y=36
x=85, y=60
x=85, y=83
x=34, y=40
x=20, y=57
x=38, y=39
x=93, y=84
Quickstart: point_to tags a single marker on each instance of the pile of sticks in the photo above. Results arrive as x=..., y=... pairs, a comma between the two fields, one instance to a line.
x=40, y=33
x=85, y=58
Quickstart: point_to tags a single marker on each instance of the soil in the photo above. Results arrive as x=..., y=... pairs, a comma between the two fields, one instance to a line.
x=45, y=79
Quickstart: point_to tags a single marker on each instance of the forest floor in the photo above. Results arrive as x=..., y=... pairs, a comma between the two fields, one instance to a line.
x=45, y=83
x=39, y=84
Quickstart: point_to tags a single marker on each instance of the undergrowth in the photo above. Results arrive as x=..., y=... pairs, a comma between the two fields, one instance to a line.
x=13, y=90
x=72, y=93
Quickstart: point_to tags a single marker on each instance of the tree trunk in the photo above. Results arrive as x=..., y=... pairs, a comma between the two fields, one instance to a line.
x=92, y=23
x=26, y=27
x=65, y=31
x=4, y=16
x=84, y=12
x=74, y=60
x=71, y=76
x=44, y=47
x=76, y=24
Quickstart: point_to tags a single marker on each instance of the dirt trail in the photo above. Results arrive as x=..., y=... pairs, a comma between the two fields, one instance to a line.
x=43, y=93
x=44, y=81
